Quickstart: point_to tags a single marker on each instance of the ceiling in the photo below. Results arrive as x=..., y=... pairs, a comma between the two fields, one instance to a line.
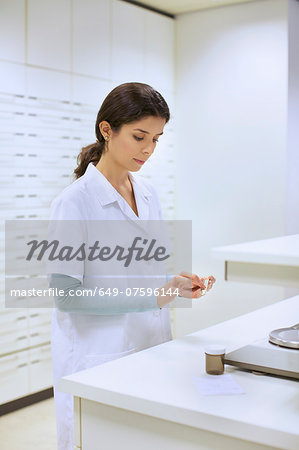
x=182, y=6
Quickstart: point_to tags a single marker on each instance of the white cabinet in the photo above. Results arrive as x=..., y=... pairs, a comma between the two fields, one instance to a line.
x=49, y=33
x=91, y=37
x=12, y=81
x=40, y=368
x=44, y=83
x=25, y=352
x=13, y=330
x=127, y=42
x=90, y=91
x=14, y=336
x=159, y=51
x=152, y=396
x=142, y=46
x=12, y=30
x=39, y=335
x=14, y=376
x=25, y=372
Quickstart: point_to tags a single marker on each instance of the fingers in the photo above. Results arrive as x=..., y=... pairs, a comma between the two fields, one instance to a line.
x=191, y=292
x=194, y=293
x=198, y=286
x=186, y=274
x=212, y=280
x=196, y=281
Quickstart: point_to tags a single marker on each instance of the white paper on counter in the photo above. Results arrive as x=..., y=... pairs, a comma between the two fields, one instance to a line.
x=217, y=385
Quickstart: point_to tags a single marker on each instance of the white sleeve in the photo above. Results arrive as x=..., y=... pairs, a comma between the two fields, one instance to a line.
x=67, y=227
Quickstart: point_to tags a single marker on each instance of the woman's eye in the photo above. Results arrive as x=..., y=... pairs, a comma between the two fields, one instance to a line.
x=141, y=139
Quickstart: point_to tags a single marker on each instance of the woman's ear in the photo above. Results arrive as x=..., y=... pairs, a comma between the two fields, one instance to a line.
x=105, y=129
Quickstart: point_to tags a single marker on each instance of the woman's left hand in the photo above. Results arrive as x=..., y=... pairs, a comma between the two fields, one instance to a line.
x=211, y=282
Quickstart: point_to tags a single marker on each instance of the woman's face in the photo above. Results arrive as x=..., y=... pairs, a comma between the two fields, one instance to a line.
x=132, y=146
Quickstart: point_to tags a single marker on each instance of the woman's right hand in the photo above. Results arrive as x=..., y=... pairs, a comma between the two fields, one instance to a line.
x=187, y=285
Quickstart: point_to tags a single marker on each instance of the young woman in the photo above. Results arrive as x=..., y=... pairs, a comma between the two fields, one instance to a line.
x=88, y=332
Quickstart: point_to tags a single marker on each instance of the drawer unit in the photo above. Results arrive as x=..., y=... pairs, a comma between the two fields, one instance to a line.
x=40, y=368
x=14, y=376
x=40, y=334
x=39, y=317
x=13, y=340
x=11, y=319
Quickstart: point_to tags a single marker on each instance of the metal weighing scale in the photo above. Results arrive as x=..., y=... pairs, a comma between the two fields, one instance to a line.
x=278, y=354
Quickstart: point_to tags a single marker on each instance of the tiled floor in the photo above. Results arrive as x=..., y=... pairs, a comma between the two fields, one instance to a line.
x=31, y=428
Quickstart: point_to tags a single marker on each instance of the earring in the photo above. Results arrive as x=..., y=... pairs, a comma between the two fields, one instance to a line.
x=106, y=138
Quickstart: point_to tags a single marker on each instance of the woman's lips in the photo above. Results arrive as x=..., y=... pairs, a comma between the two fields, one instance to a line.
x=139, y=161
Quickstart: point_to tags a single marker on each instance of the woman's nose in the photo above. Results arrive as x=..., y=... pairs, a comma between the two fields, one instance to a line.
x=148, y=150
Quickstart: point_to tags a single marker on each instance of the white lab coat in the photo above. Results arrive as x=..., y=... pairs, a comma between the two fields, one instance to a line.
x=81, y=341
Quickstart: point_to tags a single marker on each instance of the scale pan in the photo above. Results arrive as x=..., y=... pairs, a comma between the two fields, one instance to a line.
x=286, y=337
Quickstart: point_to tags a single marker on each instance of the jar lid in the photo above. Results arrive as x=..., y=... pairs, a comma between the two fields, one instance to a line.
x=215, y=349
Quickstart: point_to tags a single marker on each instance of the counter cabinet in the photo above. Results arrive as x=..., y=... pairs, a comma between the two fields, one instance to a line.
x=148, y=399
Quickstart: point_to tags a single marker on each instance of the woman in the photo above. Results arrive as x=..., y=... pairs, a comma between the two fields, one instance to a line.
x=88, y=332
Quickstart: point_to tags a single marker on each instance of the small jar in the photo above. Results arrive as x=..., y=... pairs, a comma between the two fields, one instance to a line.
x=215, y=359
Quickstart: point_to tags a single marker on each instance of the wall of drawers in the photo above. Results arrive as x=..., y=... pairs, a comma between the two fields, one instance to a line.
x=25, y=363
x=59, y=61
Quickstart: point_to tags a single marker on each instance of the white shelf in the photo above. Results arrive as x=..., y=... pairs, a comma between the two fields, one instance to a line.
x=270, y=261
x=282, y=250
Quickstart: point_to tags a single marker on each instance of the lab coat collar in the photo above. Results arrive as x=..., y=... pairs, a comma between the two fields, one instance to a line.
x=107, y=194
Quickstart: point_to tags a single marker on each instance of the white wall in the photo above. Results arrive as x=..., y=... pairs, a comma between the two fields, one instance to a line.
x=293, y=121
x=292, y=206
x=231, y=157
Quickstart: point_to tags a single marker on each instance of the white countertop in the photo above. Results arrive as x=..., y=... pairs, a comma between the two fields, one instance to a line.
x=282, y=250
x=158, y=382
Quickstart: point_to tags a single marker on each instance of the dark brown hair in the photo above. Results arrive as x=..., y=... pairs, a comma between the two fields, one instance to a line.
x=126, y=103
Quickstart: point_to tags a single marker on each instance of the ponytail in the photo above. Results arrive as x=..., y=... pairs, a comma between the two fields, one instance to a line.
x=91, y=153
